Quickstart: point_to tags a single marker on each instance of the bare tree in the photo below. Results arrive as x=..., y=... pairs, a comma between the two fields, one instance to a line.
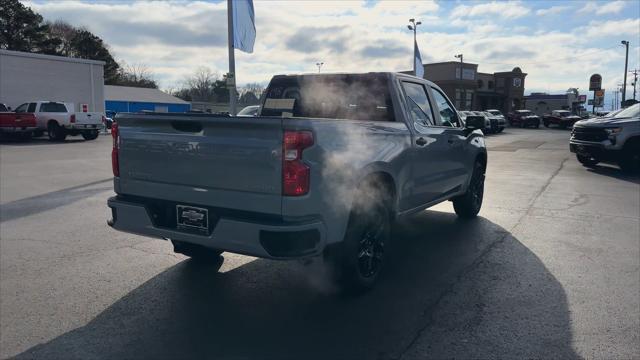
x=201, y=84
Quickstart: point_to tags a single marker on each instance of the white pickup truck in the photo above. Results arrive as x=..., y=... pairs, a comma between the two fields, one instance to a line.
x=59, y=120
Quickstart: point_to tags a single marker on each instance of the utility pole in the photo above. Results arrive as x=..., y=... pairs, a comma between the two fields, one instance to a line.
x=635, y=73
x=626, y=63
x=414, y=27
x=319, y=65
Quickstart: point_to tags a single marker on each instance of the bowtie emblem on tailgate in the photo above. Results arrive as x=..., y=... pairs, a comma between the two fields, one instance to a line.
x=191, y=217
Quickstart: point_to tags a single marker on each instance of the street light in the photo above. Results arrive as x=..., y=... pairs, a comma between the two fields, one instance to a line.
x=459, y=56
x=319, y=65
x=626, y=63
x=414, y=27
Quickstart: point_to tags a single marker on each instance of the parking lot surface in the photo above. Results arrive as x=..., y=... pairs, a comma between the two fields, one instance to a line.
x=550, y=269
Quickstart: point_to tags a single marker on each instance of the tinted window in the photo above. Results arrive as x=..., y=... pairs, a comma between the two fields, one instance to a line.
x=3, y=108
x=22, y=108
x=32, y=108
x=356, y=97
x=448, y=115
x=418, y=103
x=52, y=107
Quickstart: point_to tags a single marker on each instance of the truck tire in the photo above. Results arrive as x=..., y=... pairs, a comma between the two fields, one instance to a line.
x=359, y=258
x=56, y=133
x=196, y=252
x=468, y=204
x=90, y=135
x=630, y=160
x=586, y=161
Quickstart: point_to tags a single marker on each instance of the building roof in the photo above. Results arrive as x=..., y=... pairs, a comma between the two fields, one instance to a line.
x=135, y=94
x=50, y=57
x=546, y=97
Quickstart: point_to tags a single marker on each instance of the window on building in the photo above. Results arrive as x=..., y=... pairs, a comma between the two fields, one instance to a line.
x=459, y=96
x=490, y=84
x=517, y=82
x=480, y=84
x=468, y=99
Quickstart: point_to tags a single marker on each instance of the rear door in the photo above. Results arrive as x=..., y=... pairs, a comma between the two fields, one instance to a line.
x=456, y=171
x=429, y=162
x=226, y=162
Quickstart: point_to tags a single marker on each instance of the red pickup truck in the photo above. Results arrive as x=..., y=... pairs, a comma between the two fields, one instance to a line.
x=20, y=124
x=563, y=118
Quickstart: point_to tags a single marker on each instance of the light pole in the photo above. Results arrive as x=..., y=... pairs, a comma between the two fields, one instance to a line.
x=626, y=63
x=459, y=56
x=319, y=65
x=414, y=27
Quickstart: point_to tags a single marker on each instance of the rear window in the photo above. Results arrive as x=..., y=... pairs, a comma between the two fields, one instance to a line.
x=355, y=97
x=53, y=107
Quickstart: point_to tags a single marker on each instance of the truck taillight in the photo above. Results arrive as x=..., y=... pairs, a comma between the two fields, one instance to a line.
x=115, y=165
x=295, y=173
x=72, y=118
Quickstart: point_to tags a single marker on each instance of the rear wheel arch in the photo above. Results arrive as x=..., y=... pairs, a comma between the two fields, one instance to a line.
x=383, y=184
x=52, y=122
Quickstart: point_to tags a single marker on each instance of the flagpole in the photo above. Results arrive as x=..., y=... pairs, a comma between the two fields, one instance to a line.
x=231, y=80
x=414, y=27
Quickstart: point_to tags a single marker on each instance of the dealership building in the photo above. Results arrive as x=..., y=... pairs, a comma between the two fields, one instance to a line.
x=473, y=90
x=134, y=99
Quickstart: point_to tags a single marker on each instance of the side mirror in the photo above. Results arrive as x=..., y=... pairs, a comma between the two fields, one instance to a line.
x=474, y=122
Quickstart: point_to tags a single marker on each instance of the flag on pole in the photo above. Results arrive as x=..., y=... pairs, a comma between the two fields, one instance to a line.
x=244, y=26
x=418, y=61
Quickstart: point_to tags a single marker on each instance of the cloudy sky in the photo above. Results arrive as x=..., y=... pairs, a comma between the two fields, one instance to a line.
x=559, y=44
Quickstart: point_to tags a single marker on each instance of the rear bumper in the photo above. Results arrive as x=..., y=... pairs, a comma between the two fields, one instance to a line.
x=83, y=126
x=273, y=240
x=17, y=129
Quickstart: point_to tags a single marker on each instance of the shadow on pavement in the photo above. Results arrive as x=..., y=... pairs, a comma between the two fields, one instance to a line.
x=451, y=289
x=614, y=172
x=51, y=200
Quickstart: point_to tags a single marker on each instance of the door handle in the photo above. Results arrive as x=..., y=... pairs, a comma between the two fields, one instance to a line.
x=421, y=141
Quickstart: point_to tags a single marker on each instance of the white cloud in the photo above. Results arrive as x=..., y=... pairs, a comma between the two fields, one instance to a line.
x=600, y=8
x=174, y=38
x=554, y=10
x=513, y=9
x=598, y=29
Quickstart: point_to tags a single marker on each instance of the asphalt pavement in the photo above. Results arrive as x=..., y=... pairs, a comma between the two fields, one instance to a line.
x=550, y=269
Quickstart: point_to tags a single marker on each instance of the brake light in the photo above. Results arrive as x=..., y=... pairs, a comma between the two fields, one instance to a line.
x=72, y=118
x=295, y=173
x=115, y=165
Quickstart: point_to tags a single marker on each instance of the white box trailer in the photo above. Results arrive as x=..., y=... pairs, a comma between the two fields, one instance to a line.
x=27, y=77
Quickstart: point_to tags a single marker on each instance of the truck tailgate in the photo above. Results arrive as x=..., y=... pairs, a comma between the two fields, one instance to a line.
x=88, y=118
x=222, y=162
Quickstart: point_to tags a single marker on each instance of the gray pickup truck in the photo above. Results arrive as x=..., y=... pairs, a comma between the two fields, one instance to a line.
x=614, y=139
x=322, y=171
